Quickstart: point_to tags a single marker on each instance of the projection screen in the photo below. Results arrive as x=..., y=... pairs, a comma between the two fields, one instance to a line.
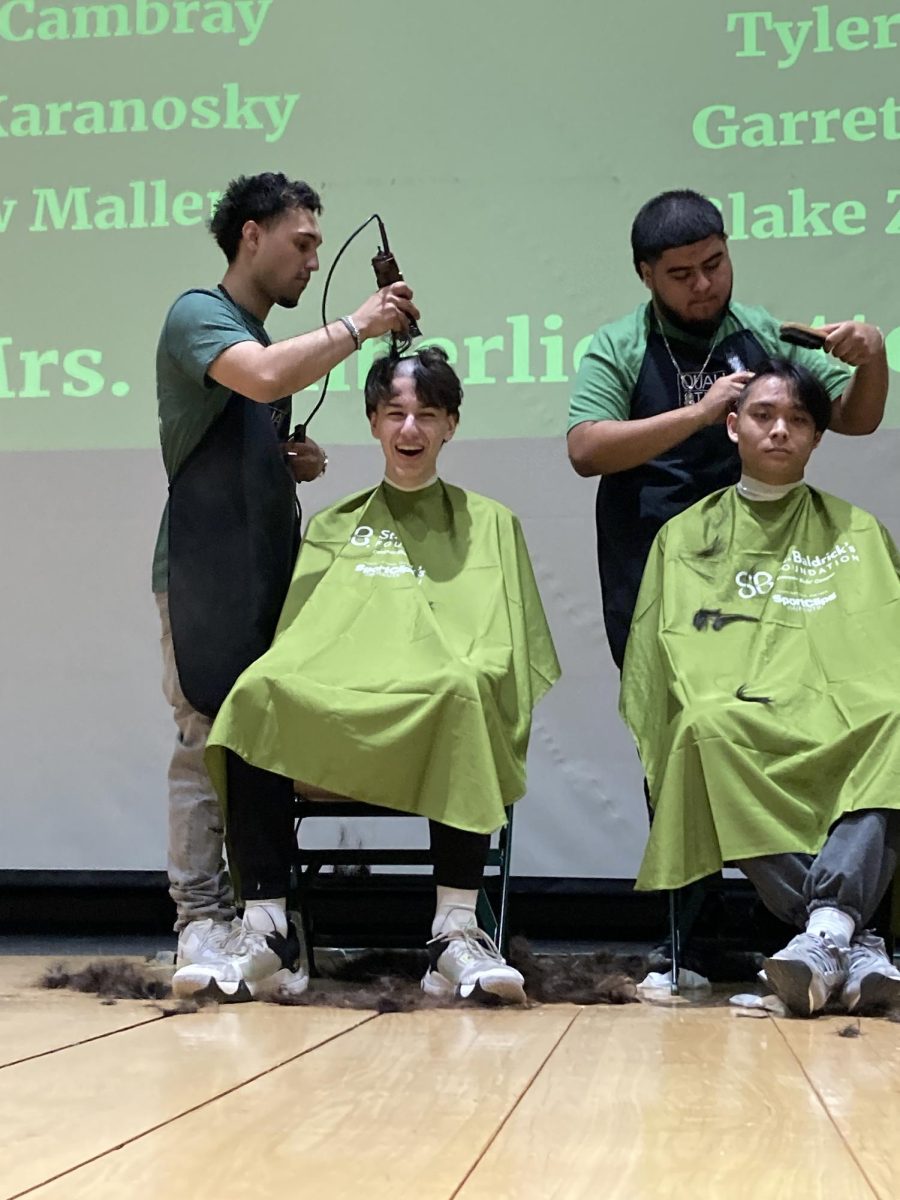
x=507, y=147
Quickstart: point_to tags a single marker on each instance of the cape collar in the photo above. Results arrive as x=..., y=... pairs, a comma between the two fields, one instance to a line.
x=755, y=489
x=419, y=488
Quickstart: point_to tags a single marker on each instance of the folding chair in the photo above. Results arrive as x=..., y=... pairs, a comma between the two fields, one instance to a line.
x=314, y=802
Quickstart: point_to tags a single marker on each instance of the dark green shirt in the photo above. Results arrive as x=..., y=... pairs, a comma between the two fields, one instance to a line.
x=609, y=370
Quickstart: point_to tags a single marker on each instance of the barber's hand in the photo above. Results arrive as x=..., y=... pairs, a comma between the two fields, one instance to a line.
x=717, y=402
x=853, y=342
x=388, y=311
x=306, y=461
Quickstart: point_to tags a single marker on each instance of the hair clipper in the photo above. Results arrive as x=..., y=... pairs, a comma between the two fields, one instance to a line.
x=387, y=272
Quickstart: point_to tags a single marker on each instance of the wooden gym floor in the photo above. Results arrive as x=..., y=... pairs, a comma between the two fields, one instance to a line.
x=655, y=1101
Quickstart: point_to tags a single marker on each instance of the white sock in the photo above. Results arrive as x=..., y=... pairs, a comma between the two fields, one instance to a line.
x=261, y=915
x=455, y=909
x=839, y=925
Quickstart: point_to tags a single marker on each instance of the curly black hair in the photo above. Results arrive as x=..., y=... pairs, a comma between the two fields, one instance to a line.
x=258, y=198
x=437, y=384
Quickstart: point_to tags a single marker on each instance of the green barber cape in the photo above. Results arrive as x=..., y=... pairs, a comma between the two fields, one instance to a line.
x=410, y=652
x=762, y=679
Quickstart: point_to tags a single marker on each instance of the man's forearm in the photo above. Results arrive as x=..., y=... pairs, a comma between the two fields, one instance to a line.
x=300, y=361
x=605, y=447
x=266, y=373
x=861, y=407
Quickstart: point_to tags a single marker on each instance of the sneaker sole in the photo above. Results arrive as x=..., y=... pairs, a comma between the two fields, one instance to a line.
x=876, y=992
x=284, y=983
x=790, y=980
x=484, y=991
x=210, y=990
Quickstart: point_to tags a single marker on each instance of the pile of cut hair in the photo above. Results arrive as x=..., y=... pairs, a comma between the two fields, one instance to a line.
x=114, y=979
x=385, y=981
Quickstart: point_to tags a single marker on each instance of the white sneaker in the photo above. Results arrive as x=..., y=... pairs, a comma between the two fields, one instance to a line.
x=807, y=972
x=873, y=982
x=288, y=981
x=203, y=941
x=284, y=983
x=247, y=964
x=466, y=963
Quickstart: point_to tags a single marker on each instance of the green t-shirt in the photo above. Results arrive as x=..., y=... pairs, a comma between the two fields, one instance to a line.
x=609, y=370
x=197, y=328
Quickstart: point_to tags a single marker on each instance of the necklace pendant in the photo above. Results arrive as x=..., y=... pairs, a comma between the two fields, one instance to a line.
x=689, y=392
x=692, y=386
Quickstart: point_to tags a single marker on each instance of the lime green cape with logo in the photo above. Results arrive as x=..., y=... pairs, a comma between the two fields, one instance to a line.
x=762, y=679
x=410, y=652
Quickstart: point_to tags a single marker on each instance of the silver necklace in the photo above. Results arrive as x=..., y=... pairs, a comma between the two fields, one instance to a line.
x=690, y=383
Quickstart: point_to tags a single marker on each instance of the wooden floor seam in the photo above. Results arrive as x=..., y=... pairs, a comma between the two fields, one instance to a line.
x=96, y=1037
x=192, y=1109
x=827, y=1110
x=502, y=1124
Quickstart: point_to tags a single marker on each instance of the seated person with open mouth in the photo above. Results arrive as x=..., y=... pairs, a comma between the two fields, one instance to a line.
x=410, y=653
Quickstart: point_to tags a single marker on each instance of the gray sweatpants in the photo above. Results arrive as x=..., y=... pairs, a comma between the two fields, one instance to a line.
x=851, y=872
x=198, y=880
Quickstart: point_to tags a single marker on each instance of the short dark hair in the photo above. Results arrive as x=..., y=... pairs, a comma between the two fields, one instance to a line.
x=802, y=384
x=671, y=220
x=259, y=198
x=437, y=384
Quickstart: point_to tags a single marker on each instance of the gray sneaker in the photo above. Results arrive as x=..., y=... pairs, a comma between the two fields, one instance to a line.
x=206, y=941
x=252, y=964
x=873, y=982
x=807, y=972
x=467, y=963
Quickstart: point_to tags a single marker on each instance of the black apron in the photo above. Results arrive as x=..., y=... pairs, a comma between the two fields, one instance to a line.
x=632, y=506
x=234, y=531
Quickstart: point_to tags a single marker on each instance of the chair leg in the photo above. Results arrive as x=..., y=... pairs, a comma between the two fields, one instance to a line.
x=675, y=936
x=495, y=923
x=505, y=848
x=305, y=883
x=884, y=919
x=303, y=879
x=485, y=915
x=309, y=934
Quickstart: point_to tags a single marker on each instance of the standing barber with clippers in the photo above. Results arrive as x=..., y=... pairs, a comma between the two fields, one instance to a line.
x=230, y=532
x=649, y=406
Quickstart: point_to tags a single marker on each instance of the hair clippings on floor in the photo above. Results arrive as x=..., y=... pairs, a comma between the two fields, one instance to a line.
x=854, y=1029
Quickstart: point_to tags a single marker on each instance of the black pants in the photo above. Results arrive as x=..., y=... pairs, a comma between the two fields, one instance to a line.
x=261, y=835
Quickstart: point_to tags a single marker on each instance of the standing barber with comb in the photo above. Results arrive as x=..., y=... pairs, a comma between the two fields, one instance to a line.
x=653, y=390
x=230, y=532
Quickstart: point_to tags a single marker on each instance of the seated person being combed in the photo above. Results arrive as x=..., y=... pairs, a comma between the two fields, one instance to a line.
x=410, y=652
x=761, y=685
